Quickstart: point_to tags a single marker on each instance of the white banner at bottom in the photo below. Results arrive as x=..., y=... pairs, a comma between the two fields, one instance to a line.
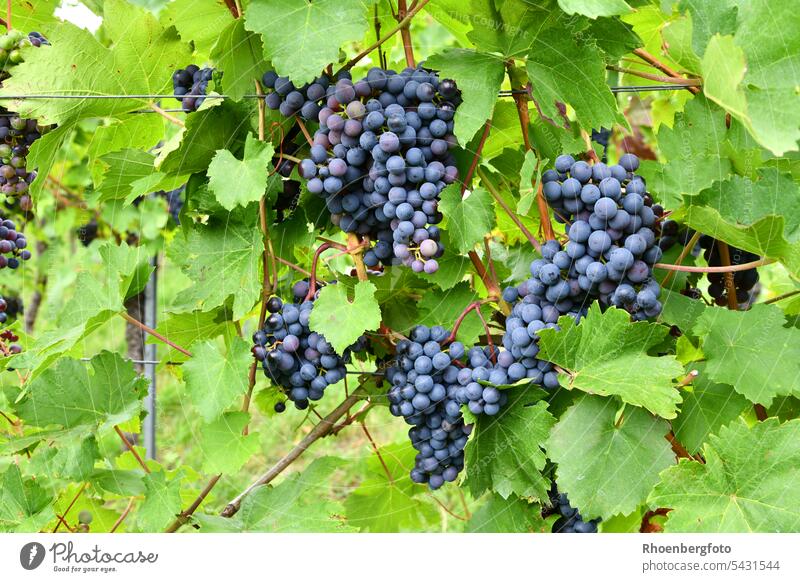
x=401, y=557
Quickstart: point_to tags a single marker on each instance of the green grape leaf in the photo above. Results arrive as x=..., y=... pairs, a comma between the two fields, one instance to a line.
x=162, y=501
x=300, y=503
x=608, y=466
x=238, y=182
x=468, y=219
x=342, y=321
x=386, y=503
x=121, y=170
x=240, y=55
x=186, y=328
x=479, y=76
x=563, y=71
x=607, y=355
x=695, y=150
x=706, y=407
x=104, y=393
x=221, y=126
x=505, y=453
x=127, y=132
x=222, y=259
x=24, y=503
x=75, y=458
x=118, y=481
x=755, y=73
x=742, y=487
x=147, y=52
x=760, y=216
x=293, y=31
x=198, y=23
x=751, y=351
x=512, y=515
x=213, y=378
x=595, y=8
x=615, y=37
x=507, y=27
x=39, y=15
x=225, y=448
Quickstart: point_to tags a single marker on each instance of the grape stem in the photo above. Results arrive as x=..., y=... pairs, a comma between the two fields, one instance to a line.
x=684, y=253
x=8, y=15
x=521, y=101
x=129, y=446
x=167, y=116
x=651, y=60
x=122, y=516
x=491, y=287
x=377, y=452
x=405, y=33
x=511, y=214
x=302, y=126
x=356, y=247
x=474, y=164
x=730, y=286
x=233, y=7
x=323, y=428
x=474, y=306
x=783, y=296
x=184, y=515
x=670, y=80
x=400, y=26
x=722, y=269
x=66, y=511
x=312, y=286
x=589, y=149
x=154, y=333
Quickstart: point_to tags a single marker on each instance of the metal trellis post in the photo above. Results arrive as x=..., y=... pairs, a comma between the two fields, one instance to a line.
x=150, y=311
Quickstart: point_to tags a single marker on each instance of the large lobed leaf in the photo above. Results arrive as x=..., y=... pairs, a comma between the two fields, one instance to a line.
x=607, y=354
x=744, y=486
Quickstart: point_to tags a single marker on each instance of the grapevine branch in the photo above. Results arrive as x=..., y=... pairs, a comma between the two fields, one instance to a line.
x=400, y=26
x=184, y=515
x=323, y=428
x=782, y=296
x=511, y=214
x=231, y=4
x=405, y=33
x=491, y=286
x=651, y=60
x=312, y=285
x=521, y=101
x=356, y=248
x=377, y=452
x=722, y=269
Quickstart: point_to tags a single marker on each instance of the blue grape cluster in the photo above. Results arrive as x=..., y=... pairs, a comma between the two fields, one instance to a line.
x=190, y=82
x=570, y=520
x=12, y=245
x=744, y=282
x=612, y=237
x=294, y=357
x=381, y=157
x=289, y=100
x=423, y=391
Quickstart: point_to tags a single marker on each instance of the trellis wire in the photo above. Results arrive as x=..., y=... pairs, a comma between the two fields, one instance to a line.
x=503, y=93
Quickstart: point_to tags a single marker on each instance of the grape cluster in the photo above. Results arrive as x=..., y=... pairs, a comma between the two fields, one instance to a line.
x=12, y=245
x=672, y=233
x=570, y=520
x=744, y=281
x=16, y=137
x=380, y=157
x=11, y=44
x=288, y=99
x=424, y=382
x=189, y=86
x=287, y=199
x=294, y=357
x=612, y=239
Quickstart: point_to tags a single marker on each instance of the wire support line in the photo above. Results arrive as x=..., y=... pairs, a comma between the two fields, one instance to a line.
x=503, y=93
